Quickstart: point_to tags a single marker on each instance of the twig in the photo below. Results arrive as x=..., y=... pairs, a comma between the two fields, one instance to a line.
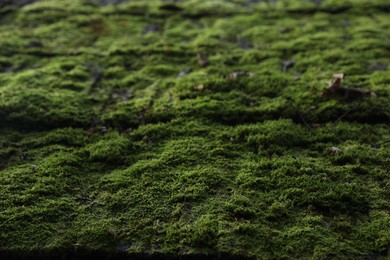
x=304, y=121
x=343, y=115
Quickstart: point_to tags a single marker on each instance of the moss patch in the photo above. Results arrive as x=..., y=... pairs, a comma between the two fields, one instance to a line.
x=116, y=139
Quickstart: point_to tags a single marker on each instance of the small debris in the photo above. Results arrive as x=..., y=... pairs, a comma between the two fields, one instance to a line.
x=335, y=150
x=346, y=24
x=122, y=247
x=377, y=66
x=151, y=28
x=236, y=75
x=203, y=60
x=334, y=87
x=171, y=98
x=33, y=167
x=199, y=87
x=96, y=72
x=297, y=76
x=244, y=44
x=90, y=131
x=23, y=156
x=183, y=72
x=336, y=83
x=125, y=132
x=103, y=130
x=123, y=95
x=373, y=148
x=285, y=30
x=287, y=64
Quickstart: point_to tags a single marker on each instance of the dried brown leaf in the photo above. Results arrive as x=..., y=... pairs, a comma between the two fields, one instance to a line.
x=334, y=87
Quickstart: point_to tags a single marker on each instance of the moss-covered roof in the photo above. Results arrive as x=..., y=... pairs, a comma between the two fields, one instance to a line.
x=194, y=128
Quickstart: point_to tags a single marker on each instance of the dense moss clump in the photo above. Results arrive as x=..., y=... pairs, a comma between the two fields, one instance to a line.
x=194, y=129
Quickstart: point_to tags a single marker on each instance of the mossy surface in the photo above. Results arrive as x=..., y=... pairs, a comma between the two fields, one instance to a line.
x=115, y=138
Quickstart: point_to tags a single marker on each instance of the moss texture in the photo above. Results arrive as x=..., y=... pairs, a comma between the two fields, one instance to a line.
x=126, y=129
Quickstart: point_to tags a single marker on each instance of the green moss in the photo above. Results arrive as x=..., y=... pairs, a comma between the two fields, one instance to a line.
x=113, y=138
x=40, y=108
x=110, y=149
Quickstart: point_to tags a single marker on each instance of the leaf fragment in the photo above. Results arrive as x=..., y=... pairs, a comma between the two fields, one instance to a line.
x=334, y=88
